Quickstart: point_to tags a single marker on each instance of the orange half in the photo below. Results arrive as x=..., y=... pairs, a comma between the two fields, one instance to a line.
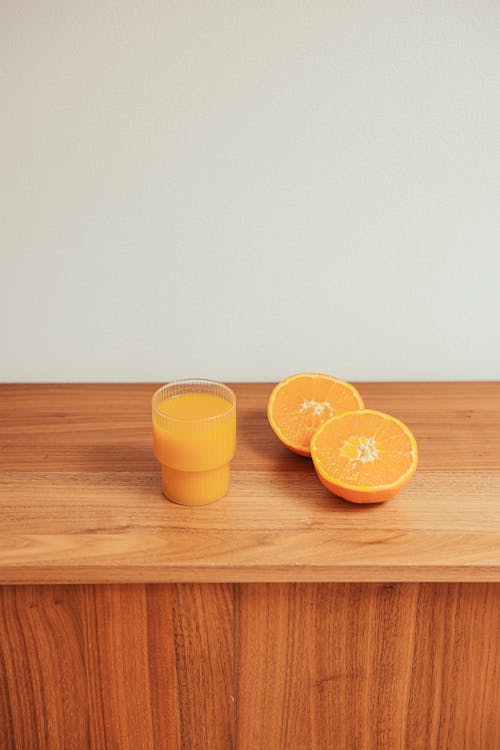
x=300, y=404
x=364, y=456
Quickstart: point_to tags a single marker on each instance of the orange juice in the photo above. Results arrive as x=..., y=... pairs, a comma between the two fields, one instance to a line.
x=194, y=434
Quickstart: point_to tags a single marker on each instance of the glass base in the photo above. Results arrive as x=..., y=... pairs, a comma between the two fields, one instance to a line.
x=195, y=487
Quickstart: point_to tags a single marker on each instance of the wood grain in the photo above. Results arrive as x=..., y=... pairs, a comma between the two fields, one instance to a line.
x=371, y=667
x=167, y=667
x=123, y=667
x=80, y=496
x=42, y=669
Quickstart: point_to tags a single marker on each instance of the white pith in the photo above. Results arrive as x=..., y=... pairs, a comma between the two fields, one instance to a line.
x=367, y=450
x=317, y=407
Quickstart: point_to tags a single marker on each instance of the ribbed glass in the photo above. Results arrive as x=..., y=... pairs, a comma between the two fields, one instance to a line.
x=194, y=452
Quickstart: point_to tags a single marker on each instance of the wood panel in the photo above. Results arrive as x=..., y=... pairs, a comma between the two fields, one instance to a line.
x=80, y=497
x=116, y=667
x=366, y=666
x=42, y=669
x=375, y=667
x=454, y=698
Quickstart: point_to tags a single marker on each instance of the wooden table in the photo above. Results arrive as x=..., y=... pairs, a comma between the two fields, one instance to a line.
x=278, y=618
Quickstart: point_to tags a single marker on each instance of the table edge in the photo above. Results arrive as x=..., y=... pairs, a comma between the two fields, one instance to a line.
x=44, y=574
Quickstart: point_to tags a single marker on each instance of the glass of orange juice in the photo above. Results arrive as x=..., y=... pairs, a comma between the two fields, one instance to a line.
x=194, y=435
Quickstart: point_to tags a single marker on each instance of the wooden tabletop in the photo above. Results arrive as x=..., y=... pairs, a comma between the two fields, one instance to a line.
x=80, y=497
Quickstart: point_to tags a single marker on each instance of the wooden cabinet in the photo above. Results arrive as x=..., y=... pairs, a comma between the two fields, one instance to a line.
x=279, y=618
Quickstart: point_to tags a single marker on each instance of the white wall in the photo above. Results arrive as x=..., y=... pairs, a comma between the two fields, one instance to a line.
x=242, y=190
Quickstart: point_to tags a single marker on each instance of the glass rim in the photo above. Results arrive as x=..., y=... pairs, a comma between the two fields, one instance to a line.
x=194, y=381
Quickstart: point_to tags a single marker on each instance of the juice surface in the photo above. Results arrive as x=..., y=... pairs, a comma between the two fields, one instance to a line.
x=194, y=406
x=192, y=444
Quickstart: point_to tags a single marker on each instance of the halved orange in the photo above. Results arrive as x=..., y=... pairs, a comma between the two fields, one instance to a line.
x=364, y=456
x=300, y=404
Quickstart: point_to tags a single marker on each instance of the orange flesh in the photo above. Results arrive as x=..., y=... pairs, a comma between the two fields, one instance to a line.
x=365, y=450
x=300, y=404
